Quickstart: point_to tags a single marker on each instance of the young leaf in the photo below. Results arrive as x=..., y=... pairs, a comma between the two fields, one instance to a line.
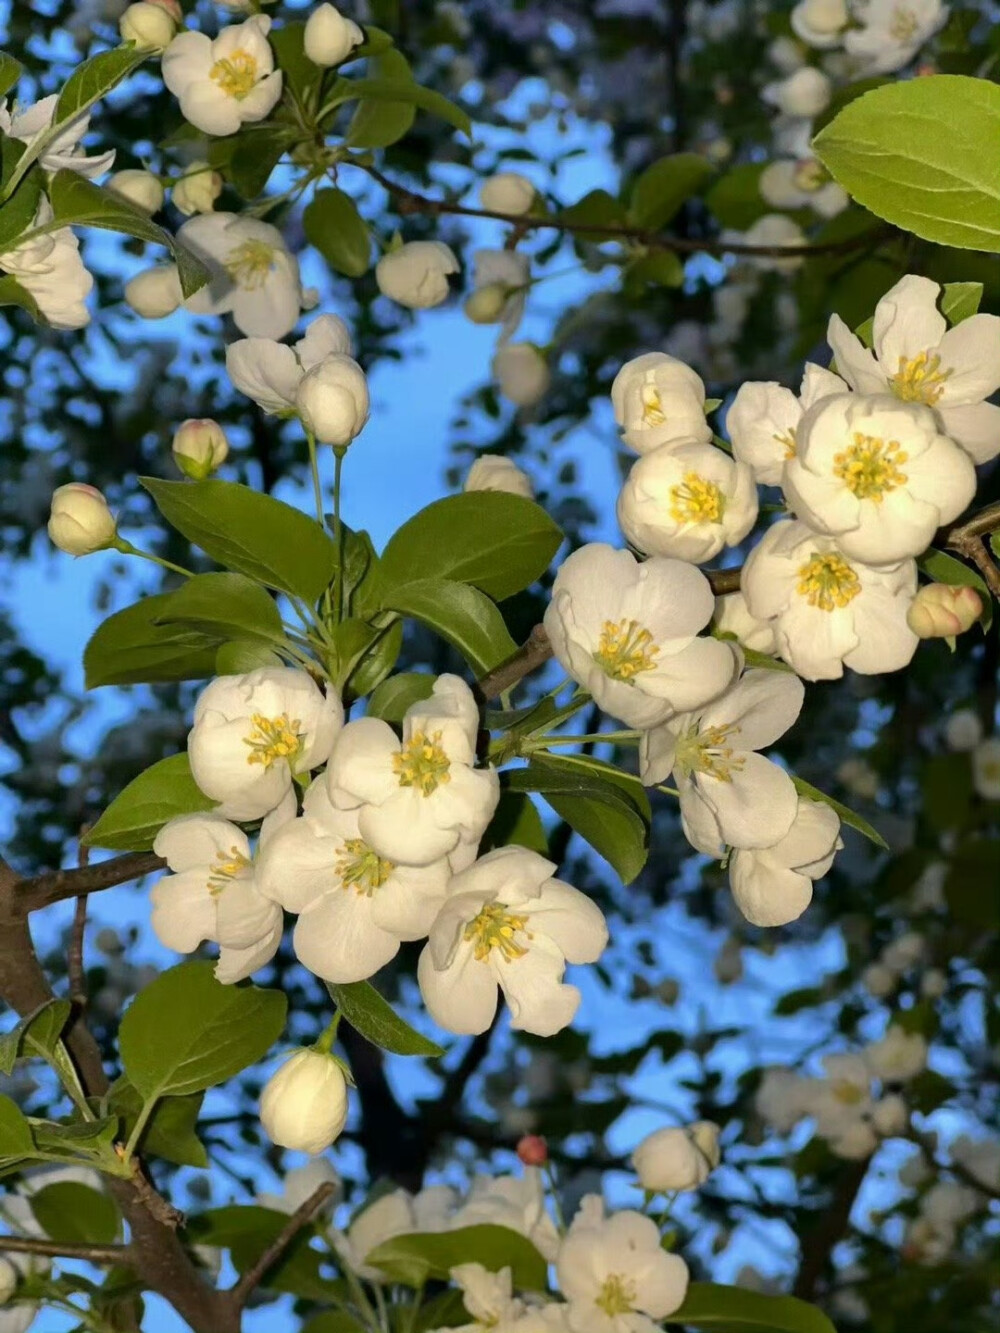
x=136, y=815
x=393, y=697
x=415, y=1259
x=379, y=124
x=338, y=231
x=132, y=647
x=366, y=1010
x=847, y=815
x=12, y=293
x=407, y=90
x=18, y=213
x=224, y=605
x=10, y=71
x=722, y=1309
x=170, y=1130
x=35, y=1035
x=462, y=615
x=960, y=300
x=186, y=1032
x=15, y=1132
x=75, y=1214
x=90, y=81
x=664, y=186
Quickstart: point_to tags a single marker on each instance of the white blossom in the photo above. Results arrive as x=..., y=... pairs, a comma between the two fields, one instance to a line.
x=627, y=632
x=687, y=500
x=898, y=1057
x=494, y=472
x=802, y=183
x=199, y=447
x=820, y=23
x=50, y=270
x=782, y=1099
x=677, y=1158
x=829, y=612
x=507, y=922
x=980, y=1157
x=521, y=372
x=658, y=400
x=879, y=980
x=80, y=522
x=253, y=732
x=416, y=274
x=774, y=885
x=773, y=230
x=395, y=1214
x=986, y=768
x=304, y=1103
x=763, y=422
x=270, y=372
x=891, y=32
x=890, y=1117
x=905, y=951
x=141, y=188
x=155, y=292
x=920, y=360
x=516, y=1202
x=149, y=25
x=332, y=400
x=963, y=730
x=507, y=192
x=805, y=92
x=329, y=37
x=732, y=617
x=489, y=1298
x=225, y=83
x=63, y=152
x=500, y=280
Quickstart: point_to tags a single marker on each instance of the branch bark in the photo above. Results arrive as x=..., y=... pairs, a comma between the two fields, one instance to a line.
x=53, y=886
x=303, y=1215
x=55, y=1249
x=833, y=1226
x=967, y=540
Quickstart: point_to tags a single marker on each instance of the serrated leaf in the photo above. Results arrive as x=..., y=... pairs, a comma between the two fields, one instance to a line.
x=338, y=231
x=132, y=647
x=722, y=1309
x=133, y=819
x=847, y=815
x=75, y=1214
x=415, y=1259
x=90, y=81
x=224, y=605
x=374, y=1017
x=462, y=615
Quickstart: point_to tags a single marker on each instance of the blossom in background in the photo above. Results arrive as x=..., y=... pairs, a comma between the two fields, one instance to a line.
x=500, y=281
x=898, y=1057
x=986, y=768
x=891, y=32
x=774, y=231
x=395, y=1214
x=155, y=292
x=829, y=612
x=627, y=632
x=489, y=1298
x=493, y=472
x=804, y=93
x=521, y=372
x=763, y=421
x=141, y=188
x=729, y=794
x=151, y=26
x=62, y=153
x=774, y=885
x=677, y=1158
x=196, y=190
x=270, y=372
x=416, y=274
x=802, y=183
x=659, y=400
x=507, y=192
x=253, y=732
x=300, y=1184
x=50, y=270
x=820, y=23
x=507, y=922
x=225, y=83
x=916, y=357
x=516, y=1202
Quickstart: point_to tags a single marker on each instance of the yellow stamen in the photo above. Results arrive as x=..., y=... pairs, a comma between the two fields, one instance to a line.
x=828, y=582
x=790, y=441
x=919, y=379
x=249, y=264
x=810, y=174
x=494, y=928
x=696, y=500
x=870, y=467
x=225, y=869
x=360, y=868
x=845, y=1092
x=625, y=649
x=273, y=738
x=616, y=1296
x=903, y=24
x=422, y=763
x=236, y=74
x=652, y=407
x=707, y=752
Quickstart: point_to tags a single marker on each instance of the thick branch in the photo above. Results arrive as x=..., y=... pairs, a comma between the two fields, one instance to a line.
x=56, y=885
x=56, y=1249
x=967, y=540
x=303, y=1215
x=818, y=1245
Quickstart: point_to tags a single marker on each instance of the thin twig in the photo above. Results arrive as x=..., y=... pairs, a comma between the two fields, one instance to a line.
x=74, y=953
x=928, y=1147
x=54, y=886
x=967, y=540
x=57, y=1249
x=303, y=1215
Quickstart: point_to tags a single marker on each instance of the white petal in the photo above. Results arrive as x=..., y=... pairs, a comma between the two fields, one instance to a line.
x=338, y=940
x=265, y=371
x=461, y=998
x=237, y=964
x=855, y=363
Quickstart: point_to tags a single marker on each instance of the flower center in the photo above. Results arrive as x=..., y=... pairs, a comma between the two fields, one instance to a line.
x=273, y=738
x=249, y=264
x=696, y=500
x=494, y=928
x=236, y=75
x=625, y=649
x=809, y=174
x=616, y=1296
x=870, y=466
x=903, y=25
x=919, y=379
x=845, y=1092
x=422, y=763
x=360, y=868
x=652, y=407
x=790, y=441
x=828, y=581
x=225, y=869
x=707, y=752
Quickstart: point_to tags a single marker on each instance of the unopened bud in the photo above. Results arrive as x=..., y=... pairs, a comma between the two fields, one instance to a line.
x=304, y=1104
x=199, y=447
x=141, y=188
x=940, y=611
x=508, y=192
x=330, y=38
x=81, y=522
x=197, y=190
x=486, y=305
x=151, y=26
x=533, y=1150
x=332, y=400
x=155, y=292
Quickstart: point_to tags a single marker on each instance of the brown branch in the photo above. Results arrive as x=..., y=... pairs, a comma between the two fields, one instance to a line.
x=57, y=1249
x=54, y=886
x=967, y=540
x=75, y=972
x=831, y=1228
x=409, y=201
x=303, y=1215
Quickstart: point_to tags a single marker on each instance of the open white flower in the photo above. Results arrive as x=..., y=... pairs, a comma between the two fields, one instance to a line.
x=508, y=923
x=517, y=1202
x=802, y=183
x=891, y=32
x=658, y=400
x=842, y=1103
x=253, y=732
x=774, y=885
x=354, y=906
x=729, y=794
x=64, y=152
x=270, y=372
x=254, y=276
x=225, y=83
x=50, y=269
x=615, y=1275
x=732, y=617
x=782, y=1099
x=772, y=230
x=898, y=1056
x=627, y=632
x=820, y=23
x=687, y=500
x=214, y=893
x=829, y=612
x=419, y=798
x=396, y=1214
x=489, y=1298
x=920, y=360
x=806, y=92
x=416, y=274
x=874, y=473
x=763, y=422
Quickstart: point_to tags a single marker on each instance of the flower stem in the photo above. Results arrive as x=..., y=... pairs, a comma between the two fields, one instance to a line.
x=126, y=548
x=338, y=528
x=314, y=468
x=593, y=737
x=329, y=1035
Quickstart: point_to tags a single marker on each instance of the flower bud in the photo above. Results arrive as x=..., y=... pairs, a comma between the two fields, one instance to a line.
x=304, y=1104
x=332, y=400
x=879, y=980
x=522, y=373
x=416, y=275
x=8, y=1281
x=507, y=192
x=986, y=768
x=197, y=190
x=487, y=304
x=677, y=1159
x=492, y=472
x=963, y=731
x=151, y=26
x=81, y=521
x=940, y=611
x=533, y=1150
x=140, y=188
x=199, y=447
x=329, y=37
x=155, y=292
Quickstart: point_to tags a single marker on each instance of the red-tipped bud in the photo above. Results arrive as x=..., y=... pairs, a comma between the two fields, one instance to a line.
x=533, y=1150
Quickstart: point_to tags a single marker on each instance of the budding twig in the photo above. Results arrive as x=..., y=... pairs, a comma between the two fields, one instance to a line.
x=303, y=1215
x=57, y=1249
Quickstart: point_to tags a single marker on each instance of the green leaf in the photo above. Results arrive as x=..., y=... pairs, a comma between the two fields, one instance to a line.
x=500, y=543
x=379, y=124
x=462, y=615
x=90, y=81
x=737, y=1310
x=15, y=1133
x=394, y=696
x=242, y=655
x=657, y=268
x=372, y=1016
x=596, y=209
x=923, y=154
x=407, y=90
x=37, y=1034
x=10, y=71
x=610, y=825
x=588, y=776
x=338, y=231
x=960, y=300
x=944, y=568
x=249, y=533
x=224, y=605
x=847, y=815
x=133, y=819
x=735, y=199
x=12, y=293
x=664, y=186
x=247, y=1230
x=186, y=1032
x=516, y=822
x=301, y=76
x=132, y=647
x=18, y=213
x=417, y=1258
x=75, y=1214
x=334, y=1321
x=89, y=1140
x=170, y=1130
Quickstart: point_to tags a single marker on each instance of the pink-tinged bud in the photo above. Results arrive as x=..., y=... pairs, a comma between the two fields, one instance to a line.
x=172, y=7
x=199, y=447
x=940, y=611
x=533, y=1150
x=81, y=521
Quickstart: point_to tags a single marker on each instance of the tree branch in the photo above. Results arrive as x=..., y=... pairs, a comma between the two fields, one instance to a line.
x=833, y=1225
x=928, y=1147
x=56, y=1249
x=53, y=886
x=967, y=540
x=303, y=1215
